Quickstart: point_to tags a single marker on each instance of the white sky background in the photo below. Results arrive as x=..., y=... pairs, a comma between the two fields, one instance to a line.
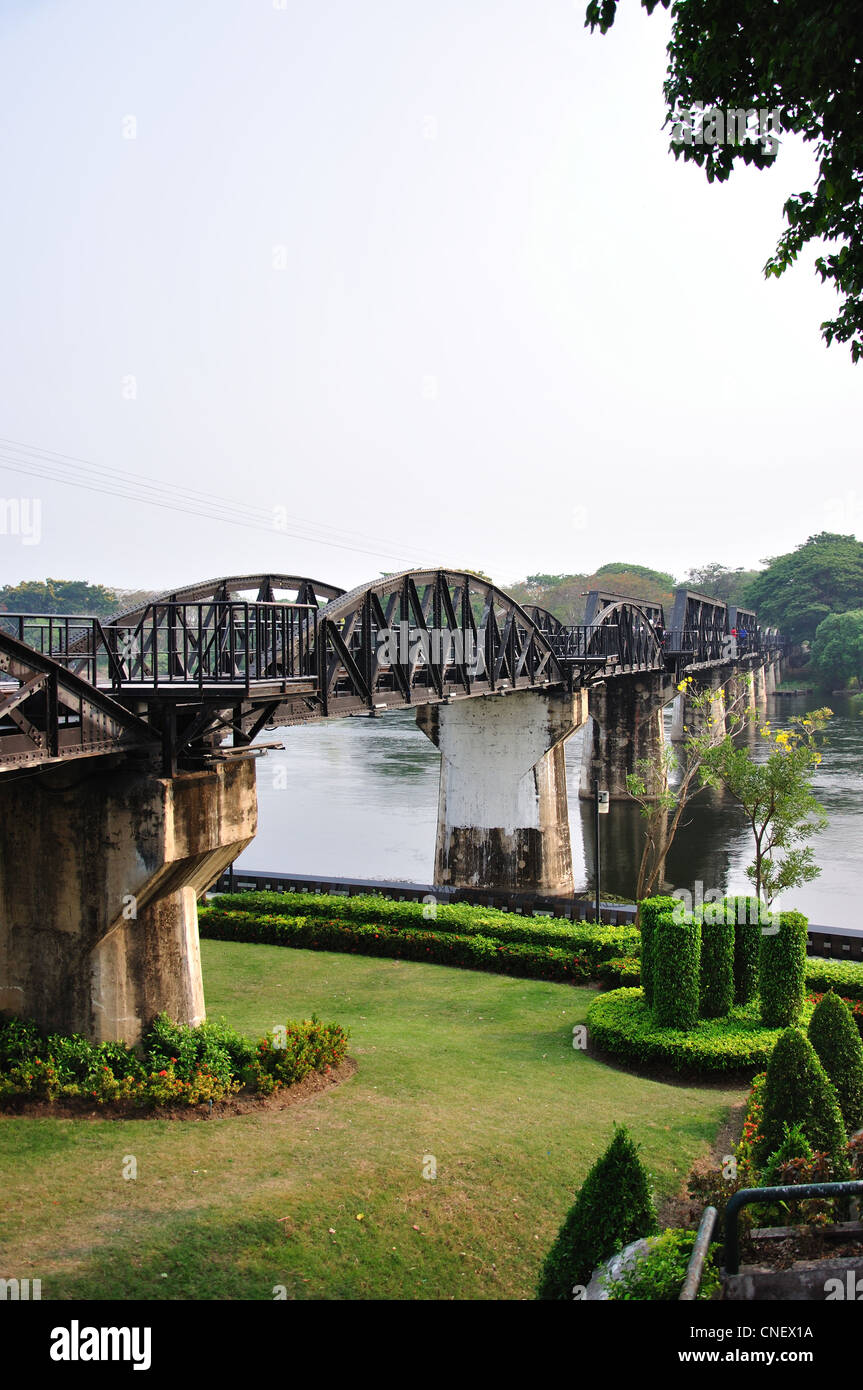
x=477, y=192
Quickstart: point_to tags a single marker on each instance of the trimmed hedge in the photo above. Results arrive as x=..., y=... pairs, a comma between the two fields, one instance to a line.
x=613, y=1207
x=596, y=943
x=782, y=971
x=649, y=910
x=855, y=1008
x=746, y=915
x=439, y=948
x=798, y=1091
x=843, y=976
x=834, y=1035
x=676, y=966
x=622, y=1024
x=620, y=971
x=716, y=989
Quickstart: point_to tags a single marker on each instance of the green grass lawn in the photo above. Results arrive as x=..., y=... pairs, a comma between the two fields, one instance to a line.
x=476, y=1070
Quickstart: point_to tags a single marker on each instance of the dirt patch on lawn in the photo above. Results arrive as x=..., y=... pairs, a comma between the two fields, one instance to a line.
x=683, y=1211
x=82, y=1109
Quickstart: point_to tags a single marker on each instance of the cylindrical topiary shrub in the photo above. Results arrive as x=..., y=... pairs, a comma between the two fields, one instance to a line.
x=782, y=969
x=676, y=971
x=613, y=1208
x=648, y=911
x=717, y=962
x=745, y=913
x=834, y=1035
x=798, y=1091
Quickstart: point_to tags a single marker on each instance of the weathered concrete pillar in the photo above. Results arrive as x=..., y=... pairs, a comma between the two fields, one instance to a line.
x=770, y=677
x=677, y=718
x=503, y=819
x=759, y=689
x=625, y=726
x=691, y=720
x=99, y=877
x=740, y=691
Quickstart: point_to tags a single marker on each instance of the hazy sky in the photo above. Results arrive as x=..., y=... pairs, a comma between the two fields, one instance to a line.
x=419, y=278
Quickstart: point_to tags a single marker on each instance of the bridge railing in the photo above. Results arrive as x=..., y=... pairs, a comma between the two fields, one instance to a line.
x=214, y=643
x=586, y=643
x=77, y=643
x=178, y=644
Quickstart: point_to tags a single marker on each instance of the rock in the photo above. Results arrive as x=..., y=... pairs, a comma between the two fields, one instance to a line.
x=614, y=1269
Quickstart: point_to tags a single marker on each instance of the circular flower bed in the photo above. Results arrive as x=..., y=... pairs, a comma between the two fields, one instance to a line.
x=621, y=1024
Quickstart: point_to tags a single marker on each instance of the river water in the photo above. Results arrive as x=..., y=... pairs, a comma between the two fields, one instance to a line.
x=357, y=798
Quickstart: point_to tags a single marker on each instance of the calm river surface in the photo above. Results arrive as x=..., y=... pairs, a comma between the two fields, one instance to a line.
x=357, y=798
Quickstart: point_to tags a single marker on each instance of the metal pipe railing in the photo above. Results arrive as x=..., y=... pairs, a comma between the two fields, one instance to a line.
x=695, y=1269
x=764, y=1196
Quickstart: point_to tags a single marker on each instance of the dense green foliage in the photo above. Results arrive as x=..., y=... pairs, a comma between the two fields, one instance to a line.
x=658, y=1275
x=649, y=910
x=587, y=940
x=74, y=596
x=716, y=581
x=564, y=594
x=798, y=590
x=470, y=951
x=777, y=797
x=794, y=1148
x=179, y=1065
x=676, y=954
x=613, y=1207
x=799, y=1092
x=717, y=963
x=620, y=972
x=799, y=65
x=782, y=971
x=843, y=976
x=837, y=649
x=621, y=1024
x=746, y=914
x=836, y=1039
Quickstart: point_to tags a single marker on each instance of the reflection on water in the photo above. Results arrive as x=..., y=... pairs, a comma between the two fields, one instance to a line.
x=357, y=798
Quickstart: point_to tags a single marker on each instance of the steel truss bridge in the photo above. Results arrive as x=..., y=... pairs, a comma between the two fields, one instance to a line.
x=227, y=658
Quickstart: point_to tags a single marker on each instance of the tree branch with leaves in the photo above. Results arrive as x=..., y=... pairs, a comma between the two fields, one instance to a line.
x=720, y=712
x=777, y=798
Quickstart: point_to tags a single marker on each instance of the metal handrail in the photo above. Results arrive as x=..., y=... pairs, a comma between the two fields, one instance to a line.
x=764, y=1196
x=695, y=1268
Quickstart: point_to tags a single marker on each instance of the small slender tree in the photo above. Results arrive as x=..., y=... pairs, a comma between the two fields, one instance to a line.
x=777, y=798
x=720, y=715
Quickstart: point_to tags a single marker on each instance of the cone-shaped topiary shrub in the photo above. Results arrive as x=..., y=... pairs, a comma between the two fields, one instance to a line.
x=835, y=1037
x=717, y=962
x=745, y=913
x=798, y=1091
x=782, y=970
x=648, y=911
x=676, y=971
x=613, y=1207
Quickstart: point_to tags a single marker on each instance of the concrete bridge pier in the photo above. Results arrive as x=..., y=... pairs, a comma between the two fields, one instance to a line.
x=740, y=689
x=100, y=871
x=759, y=689
x=690, y=720
x=770, y=678
x=503, y=818
x=625, y=726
